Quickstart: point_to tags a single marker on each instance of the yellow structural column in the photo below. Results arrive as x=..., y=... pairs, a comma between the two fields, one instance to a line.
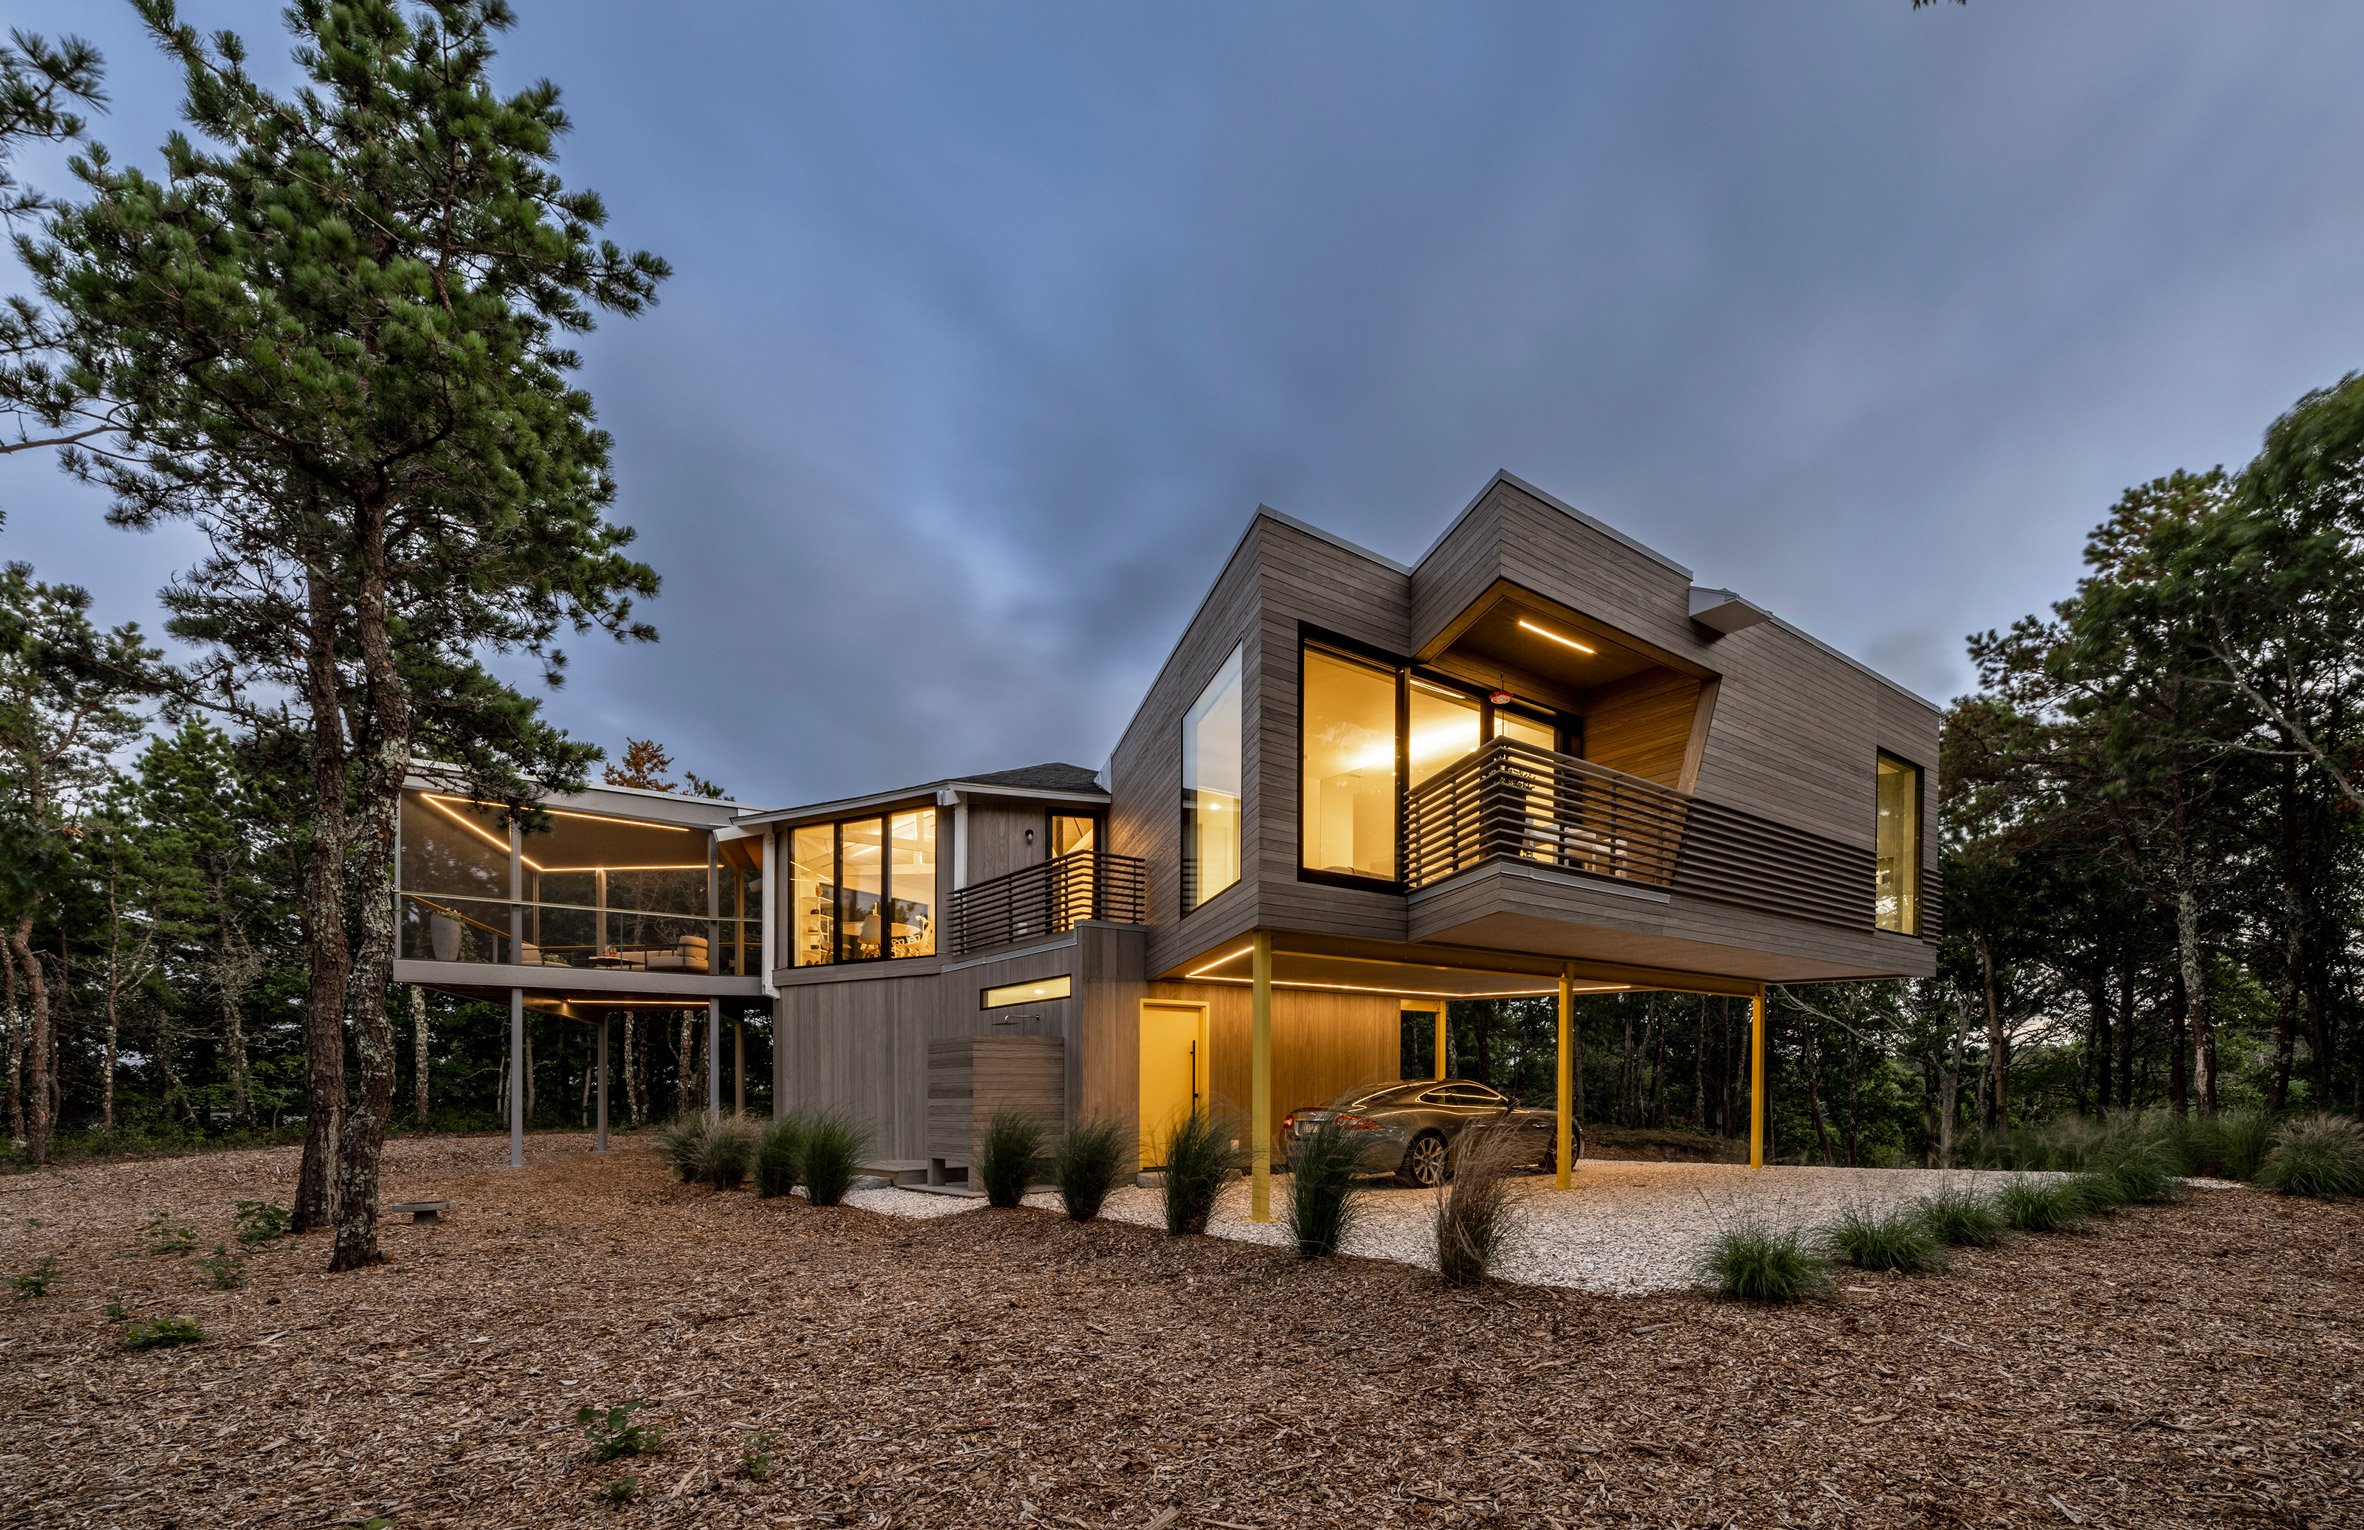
x=1756, y=1080
x=1440, y=1039
x=1563, y=1154
x=1260, y=1082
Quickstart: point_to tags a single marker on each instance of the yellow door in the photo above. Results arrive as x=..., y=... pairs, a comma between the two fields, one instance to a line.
x=1173, y=1072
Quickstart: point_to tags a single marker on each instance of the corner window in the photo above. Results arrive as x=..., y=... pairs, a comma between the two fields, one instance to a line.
x=1211, y=774
x=1896, y=846
x=1348, y=767
x=863, y=890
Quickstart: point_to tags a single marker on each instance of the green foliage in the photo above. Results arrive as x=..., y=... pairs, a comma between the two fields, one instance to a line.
x=2094, y=1194
x=2317, y=1156
x=2242, y=1138
x=613, y=1434
x=1087, y=1165
x=2033, y=1205
x=622, y=1490
x=1325, y=1193
x=1876, y=1238
x=35, y=1281
x=163, y=1333
x=1010, y=1156
x=833, y=1149
x=1758, y=1262
x=682, y=1144
x=779, y=1156
x=1961, y=1218
x=167, y=1237
x=755, y=1459
x=224, y=1271
x=1201, y=1153
x=725, y=1152
x=2138, y=1173
x=1472, y=1213
x=259, y=1222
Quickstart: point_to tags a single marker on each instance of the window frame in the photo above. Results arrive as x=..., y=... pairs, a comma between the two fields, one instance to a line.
x=1187, y=841
x=1920, y=849
x=1065, y=980
x=841, y=943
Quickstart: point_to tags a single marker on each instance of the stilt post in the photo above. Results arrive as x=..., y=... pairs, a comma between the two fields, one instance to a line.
x=1756, y=1080
x=1260, y=1082
x=1563, y=1143
x=1440, y=1040
x=516, y=1078
x=713, y=1059
x=739, y=1065
x=605, y=1020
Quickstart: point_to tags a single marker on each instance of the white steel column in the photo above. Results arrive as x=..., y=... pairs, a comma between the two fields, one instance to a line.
x=713, y=1059
x=516, y=1078
x=605, y=1020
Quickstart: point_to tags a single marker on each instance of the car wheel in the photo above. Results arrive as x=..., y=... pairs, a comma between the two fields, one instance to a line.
x=1424, y=1163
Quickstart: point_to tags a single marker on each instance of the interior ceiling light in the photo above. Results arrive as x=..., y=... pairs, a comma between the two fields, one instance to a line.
x=1564, y=642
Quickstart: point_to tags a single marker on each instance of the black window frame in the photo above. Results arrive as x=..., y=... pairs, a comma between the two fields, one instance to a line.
x=1920, y=848
x=1188, y=899
x=843, y=944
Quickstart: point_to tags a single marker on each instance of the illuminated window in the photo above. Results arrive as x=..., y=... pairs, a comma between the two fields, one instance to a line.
x=1211, y=774
x=1896, y=845
x=812, y=894
x=863, y=890
x=1444, y=728
x=1348, y=735
x=911, y=922
x=1025, y=993
x=1071, y=832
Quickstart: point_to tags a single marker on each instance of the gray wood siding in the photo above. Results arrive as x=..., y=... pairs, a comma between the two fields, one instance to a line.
x=997, y=838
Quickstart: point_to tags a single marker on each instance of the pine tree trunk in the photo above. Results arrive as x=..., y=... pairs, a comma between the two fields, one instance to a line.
x=418, y=1056
x=1949, y=1090
x=528, y=1066
x=40, y=1119
x=2178, y=1002
x=15, y=1021
x=1998, y=1103
x=1812, y=1056
x=327, y=952
x=1699, y=1073
x=2195, y=983
x=2126, y=1030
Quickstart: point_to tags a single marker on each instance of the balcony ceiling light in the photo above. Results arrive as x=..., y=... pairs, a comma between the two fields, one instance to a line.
x=1563, y=641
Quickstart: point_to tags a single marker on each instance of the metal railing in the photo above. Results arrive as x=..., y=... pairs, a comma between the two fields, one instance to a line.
x=1513, y=800
x=1049, y=898
x=454, y=927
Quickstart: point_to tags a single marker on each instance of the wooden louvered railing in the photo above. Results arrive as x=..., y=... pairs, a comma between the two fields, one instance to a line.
x=1049, y=898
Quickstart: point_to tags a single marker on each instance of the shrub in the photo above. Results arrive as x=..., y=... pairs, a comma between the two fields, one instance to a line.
x=169, y=1237
x=1324, y=1200
x=2040, y=1206
x=682, y=1143
x=1009, y=1157
x=1089, y=1162
x=163, y=1333
x=779, y=1156
x=258, y=1222
x=1874, y=1239
x=1757, y=1262
x=1474, y=1209
x=1961, y=1218
x=2138, y=1172
x=1200, y=1155
x=224, y=1271
x=833, y=1149
x=2317, y=1156
x=35, y=1281
x=621, y=1491
x=724, y=1153
x=612, y=1434
x=2095, y=1195
x=755, y=1461
x=2242, y=1140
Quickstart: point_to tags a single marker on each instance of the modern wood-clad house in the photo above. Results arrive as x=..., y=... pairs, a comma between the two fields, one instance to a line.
x=1540, y=759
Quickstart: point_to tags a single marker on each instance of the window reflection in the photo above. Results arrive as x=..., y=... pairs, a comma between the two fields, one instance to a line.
x=1444, y=728
x=1211, y=774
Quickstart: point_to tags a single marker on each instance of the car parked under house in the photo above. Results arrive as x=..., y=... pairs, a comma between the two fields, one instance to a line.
x=1539, y=760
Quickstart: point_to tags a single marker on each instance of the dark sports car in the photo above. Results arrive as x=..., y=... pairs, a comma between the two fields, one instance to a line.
x=1414, y=1126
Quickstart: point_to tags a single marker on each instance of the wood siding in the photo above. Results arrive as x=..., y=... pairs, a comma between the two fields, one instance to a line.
x=1642, y=726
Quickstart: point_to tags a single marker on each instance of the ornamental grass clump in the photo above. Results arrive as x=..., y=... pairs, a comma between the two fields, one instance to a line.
x=1201, y=1154
x=682, y=1144
x=833, y=1149
x=1754, y=1261
x=2316, y=1156
x=1009, y=1156
x=2096, y=1195
x=2243, y=1138
x=779, y=1156
x=1475, y=1209
x=1961, y=1218
x=1089, y=1162
x=1872, y=1238
x=2138, y=1172
x=726, y=1152
x=1325, y=1196
x=2040, y=1206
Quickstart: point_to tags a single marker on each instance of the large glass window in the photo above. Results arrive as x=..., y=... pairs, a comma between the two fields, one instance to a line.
x=812, y=894
x=863, y=890
x=1444, y=728
x=1349, y=767
x=1211, y=773
x=1896, y=897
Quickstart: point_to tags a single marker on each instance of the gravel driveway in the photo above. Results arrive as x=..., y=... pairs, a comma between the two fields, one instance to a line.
x=1623, y=1229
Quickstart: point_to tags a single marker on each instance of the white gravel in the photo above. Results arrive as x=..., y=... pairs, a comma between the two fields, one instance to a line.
x=1622, y=1229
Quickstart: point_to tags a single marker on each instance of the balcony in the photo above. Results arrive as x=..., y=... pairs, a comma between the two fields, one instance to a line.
x=445, y=927
x=1050, y=898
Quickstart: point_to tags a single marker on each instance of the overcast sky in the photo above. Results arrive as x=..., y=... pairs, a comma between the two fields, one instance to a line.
x=991, y=325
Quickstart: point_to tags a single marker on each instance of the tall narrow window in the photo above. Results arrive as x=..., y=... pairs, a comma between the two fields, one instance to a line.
x=1211, y=773
x=861, y=889
x=1348, y=823
x=1896, y=845
x=911, y=925
x=812, y=894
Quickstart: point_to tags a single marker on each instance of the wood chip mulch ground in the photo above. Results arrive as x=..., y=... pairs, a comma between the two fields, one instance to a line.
x=2193, y=1365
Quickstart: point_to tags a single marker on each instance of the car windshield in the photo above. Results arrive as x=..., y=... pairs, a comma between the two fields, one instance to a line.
x=1368, y=1096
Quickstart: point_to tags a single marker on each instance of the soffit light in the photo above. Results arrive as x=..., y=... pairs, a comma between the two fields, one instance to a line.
x=1563, y=641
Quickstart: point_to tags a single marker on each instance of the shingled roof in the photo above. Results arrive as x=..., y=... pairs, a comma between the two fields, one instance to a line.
x=1053, y=777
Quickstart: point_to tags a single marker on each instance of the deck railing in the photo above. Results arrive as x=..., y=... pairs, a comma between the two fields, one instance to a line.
x=1049, y=898
x=1513, y=800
